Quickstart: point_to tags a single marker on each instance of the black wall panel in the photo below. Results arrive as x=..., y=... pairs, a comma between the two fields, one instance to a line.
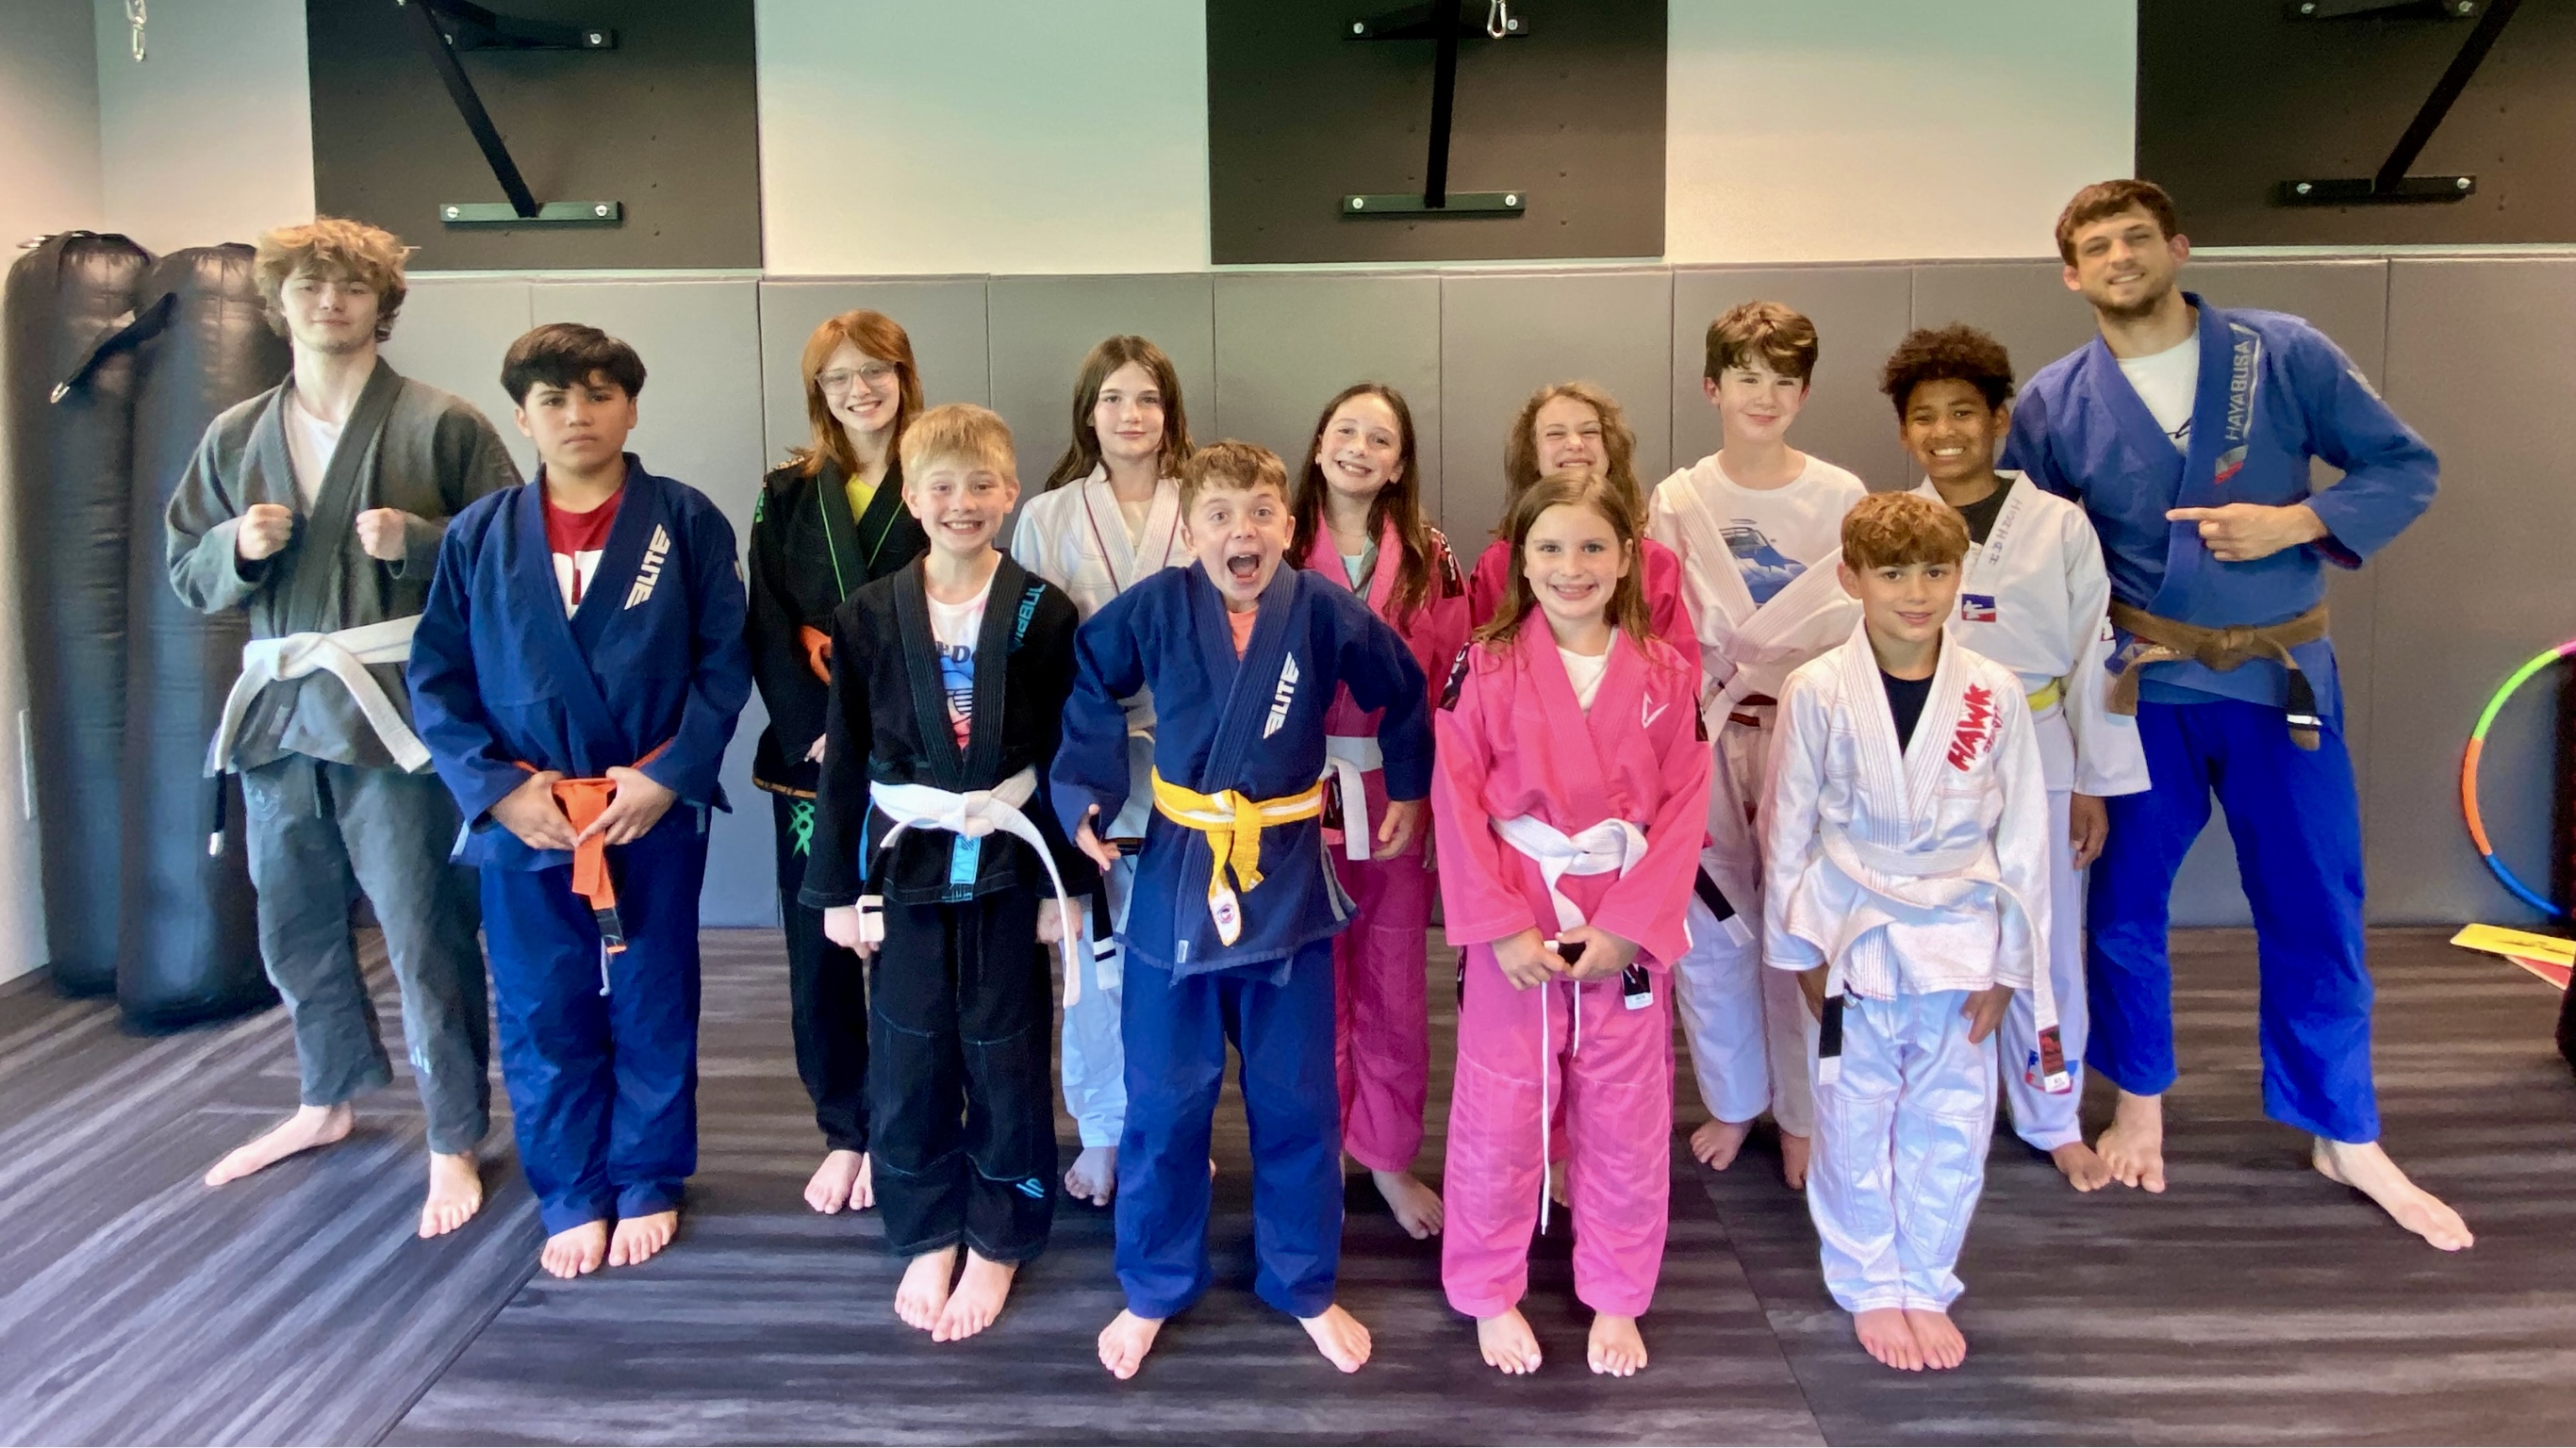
x=1299, y=115
x=665, y=124
x=2235, y=96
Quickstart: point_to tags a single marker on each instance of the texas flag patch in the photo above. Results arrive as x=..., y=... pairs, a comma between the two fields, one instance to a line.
x=1976, y=608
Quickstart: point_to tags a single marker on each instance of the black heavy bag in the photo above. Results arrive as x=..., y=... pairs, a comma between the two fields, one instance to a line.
x=70, y=452
x=190, y=949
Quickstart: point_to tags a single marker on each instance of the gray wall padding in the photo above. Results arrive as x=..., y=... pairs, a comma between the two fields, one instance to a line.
x=2474, y=352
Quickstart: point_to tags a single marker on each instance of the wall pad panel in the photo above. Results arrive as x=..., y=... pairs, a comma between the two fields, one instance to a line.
x=1860, y=312
x=1286, y=342
x=944, y=318
x=1042, y=326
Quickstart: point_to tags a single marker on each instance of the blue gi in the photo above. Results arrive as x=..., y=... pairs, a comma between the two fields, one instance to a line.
x=2273, y=393
x=1255, y=726
x=599, y=1051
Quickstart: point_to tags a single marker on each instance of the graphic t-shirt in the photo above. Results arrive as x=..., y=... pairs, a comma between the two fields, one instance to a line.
x=577, y=540
x=2166, y=382
x=1776, y=532
x=310, y=442
x=953, y=627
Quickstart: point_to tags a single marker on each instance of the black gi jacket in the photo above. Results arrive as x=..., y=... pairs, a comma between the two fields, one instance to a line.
x=807, y=555
x=888, y=720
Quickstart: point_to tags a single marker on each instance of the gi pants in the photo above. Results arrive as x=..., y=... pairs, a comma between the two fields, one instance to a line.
x=1747, y=1025
x=1519, y=1054
x=1901, y=1151
x=2045, y=1119
x=2297, y=826
x=959, y=1014
x=827, y=994
x=319, y=833
x=1095, y=1064
x=1382, y=1020
x=1177, y=1032
x=603, y=1084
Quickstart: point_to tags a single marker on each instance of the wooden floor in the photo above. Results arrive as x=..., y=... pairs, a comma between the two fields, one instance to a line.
x=2252, y=1303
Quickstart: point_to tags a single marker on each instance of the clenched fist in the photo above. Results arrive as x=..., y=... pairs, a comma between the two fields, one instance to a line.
x=265, y=527
x=380, y=532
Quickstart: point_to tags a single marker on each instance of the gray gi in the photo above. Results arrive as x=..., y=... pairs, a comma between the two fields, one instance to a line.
x=330, y=811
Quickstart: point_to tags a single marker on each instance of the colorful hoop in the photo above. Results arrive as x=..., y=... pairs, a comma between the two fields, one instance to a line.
x=2469, y=778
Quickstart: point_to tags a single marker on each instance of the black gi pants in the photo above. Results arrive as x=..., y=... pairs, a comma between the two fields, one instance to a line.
x=827, y=995
x=959, y=1096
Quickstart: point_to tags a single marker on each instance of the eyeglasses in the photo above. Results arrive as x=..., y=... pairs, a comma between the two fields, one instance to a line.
x=874, y=374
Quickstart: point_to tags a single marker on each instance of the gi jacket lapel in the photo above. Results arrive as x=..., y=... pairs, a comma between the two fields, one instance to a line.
x=872, y=532
x=1324, y=557
x=1266, y=666
x=980, y=763
x=314, y=595
x=1913, y=776
x=2222, y=424
x=1708, y=538
x=565, y=643
x=1573, y=741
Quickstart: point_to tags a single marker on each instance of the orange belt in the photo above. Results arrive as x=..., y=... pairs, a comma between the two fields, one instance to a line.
x=583, y=802
x=818, y=650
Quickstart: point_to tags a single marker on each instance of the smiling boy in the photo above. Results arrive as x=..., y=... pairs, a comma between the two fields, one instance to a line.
x=576, y=675
x=932, y=863
x=1229, y=933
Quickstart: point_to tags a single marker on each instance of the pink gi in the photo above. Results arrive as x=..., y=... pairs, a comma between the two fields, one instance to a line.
x=1513, y=742
x=1382, y=1024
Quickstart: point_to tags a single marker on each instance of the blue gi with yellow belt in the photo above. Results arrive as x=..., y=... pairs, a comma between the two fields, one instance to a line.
x=1228, y=933
x=2273, y=393
x=598, y=1050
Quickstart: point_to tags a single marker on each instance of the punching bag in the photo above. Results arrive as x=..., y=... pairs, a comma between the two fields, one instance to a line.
x=70, y=455
x=190, y=944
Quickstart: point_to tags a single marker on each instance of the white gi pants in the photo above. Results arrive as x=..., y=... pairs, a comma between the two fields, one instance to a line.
x=1092, y=1053
x=1748, y=1027
x=1901, y=1151
x=2047, y=1120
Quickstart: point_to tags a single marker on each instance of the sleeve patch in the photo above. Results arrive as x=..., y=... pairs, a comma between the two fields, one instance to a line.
x=1457, y=679
x=1451, y=584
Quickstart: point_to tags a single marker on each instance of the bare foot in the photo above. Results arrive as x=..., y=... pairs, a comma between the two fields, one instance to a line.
x=1339, y=1337
x=2082, y=1166
x=309, y=1127
x=1938, y=1337
x=1616, y=1349
x=1125, y=1341
x=923, y=1294
x=1416, y=1207
x=638, y=1239
x=978, y=1299
x=840, y=1182
x=1507, y=1342
x=1093, y=1178
x=2132, y=1147
x=1556, y=1182
x=2365, y=1167
x=455, y=1193
x=575, y=1251
x=1794, y=1151
x=1717, y=1142
x=1884, y=1336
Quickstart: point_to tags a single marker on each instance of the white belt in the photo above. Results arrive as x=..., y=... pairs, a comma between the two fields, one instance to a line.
x=1613, y=846
x=1348, y=758
x=973, y=815
x=345, y=656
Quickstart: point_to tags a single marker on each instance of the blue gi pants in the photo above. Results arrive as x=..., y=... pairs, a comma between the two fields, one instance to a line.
x=603, y=1088
x=2296, y=822
x=1176, y=1035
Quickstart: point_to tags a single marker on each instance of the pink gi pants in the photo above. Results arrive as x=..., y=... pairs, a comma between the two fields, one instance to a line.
x=1616, y=1083
x=1382, y=1023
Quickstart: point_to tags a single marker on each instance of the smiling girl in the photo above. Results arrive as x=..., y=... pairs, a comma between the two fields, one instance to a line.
x=1569, y=786
x=1359, y=522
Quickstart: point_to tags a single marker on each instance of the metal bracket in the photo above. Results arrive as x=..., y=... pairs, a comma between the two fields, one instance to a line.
x=444, y=27
x=1444, y=24
x=2390, y=185
x=2385, y=9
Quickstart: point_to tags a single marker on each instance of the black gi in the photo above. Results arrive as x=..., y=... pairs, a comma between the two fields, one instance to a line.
x=960, y=1098
x=808, y=554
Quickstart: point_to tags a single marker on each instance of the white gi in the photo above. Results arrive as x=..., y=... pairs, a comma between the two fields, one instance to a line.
x=2033, y=598
x=1918, y=878
x=1748, y=1029
x=1076, y=538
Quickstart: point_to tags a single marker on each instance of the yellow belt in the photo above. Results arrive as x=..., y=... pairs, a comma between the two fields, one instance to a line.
x=2047, y=695
x=1233, y=823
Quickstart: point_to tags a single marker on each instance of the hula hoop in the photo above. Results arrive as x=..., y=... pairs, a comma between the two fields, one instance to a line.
x=2469, y=778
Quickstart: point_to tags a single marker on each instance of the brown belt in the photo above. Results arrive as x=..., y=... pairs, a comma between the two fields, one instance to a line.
x=2168, y=640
